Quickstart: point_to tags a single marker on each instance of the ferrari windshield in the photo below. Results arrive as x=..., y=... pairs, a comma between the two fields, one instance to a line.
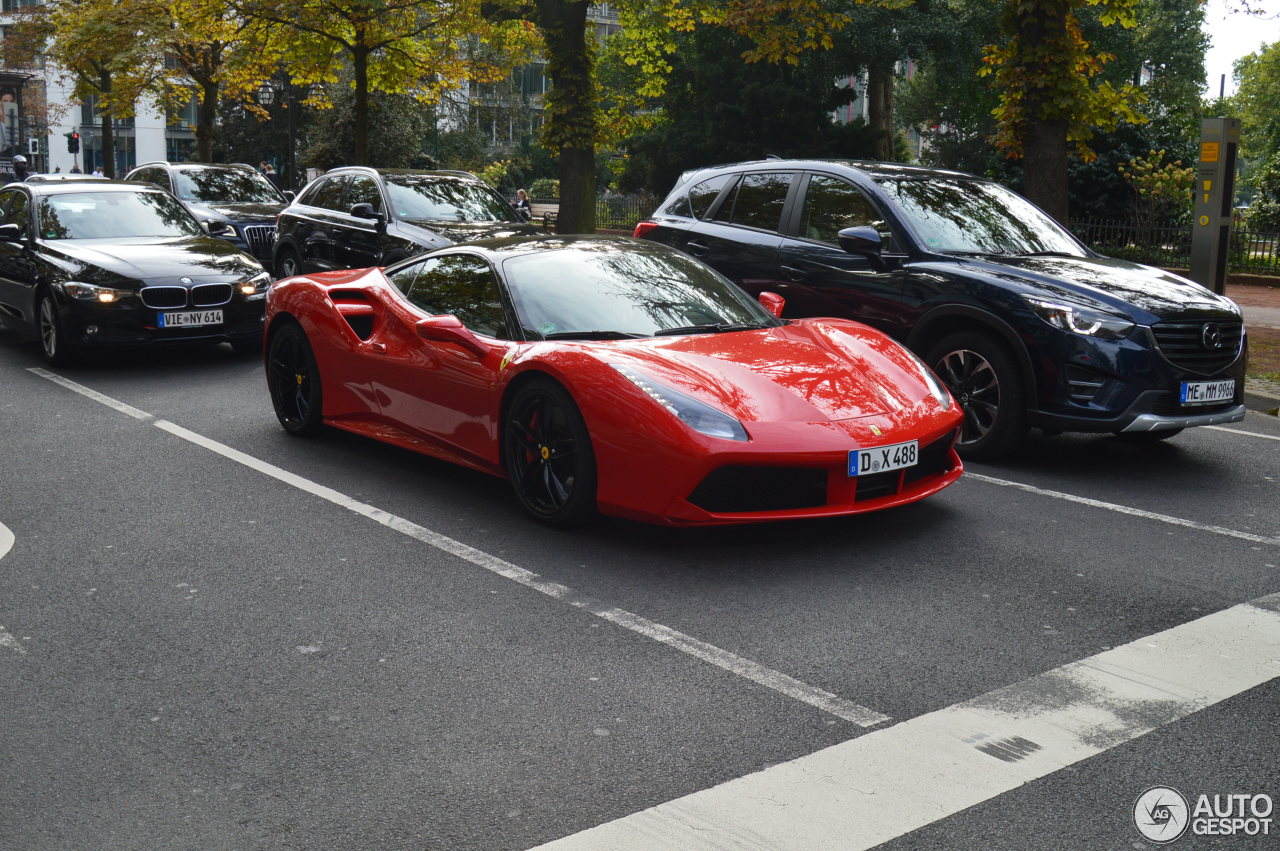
x=114, y=215
x=953, y=215
x=225, y=186
x=604, y=290
x=446, y=199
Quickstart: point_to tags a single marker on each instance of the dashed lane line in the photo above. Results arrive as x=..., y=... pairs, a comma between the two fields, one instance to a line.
x=687, y=644
x=891, y=781
x=6, y=639
x=1242, y=431
x=1124, y=509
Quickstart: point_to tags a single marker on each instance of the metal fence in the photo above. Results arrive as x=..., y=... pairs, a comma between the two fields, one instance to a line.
x=1168, y=245
x=613, y=212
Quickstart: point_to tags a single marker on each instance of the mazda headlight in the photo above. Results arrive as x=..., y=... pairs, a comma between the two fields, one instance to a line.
x=1078, y=319
x=257, y=285
x=92, y=292
x=936, y=388
x=698, y=416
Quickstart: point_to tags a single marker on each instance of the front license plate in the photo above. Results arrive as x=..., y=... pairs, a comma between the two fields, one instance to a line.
x=190, y=318
x=1207, y=392
x=883, y=458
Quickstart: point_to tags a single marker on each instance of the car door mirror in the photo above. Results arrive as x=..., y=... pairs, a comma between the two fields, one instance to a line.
x=364, y=210
x=289, y=195
x=448, y=329
x=773, y=303
x=862, y=240
x=216, y=228
x=12, y=233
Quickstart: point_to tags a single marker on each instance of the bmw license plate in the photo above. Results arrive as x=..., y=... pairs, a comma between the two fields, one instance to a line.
x=1207, y=392
x=881, y=459
x=190, y=318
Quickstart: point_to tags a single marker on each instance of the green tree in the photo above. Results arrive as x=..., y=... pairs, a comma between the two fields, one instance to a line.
x=1050, y=92
x=415, y=47
x=1257, y=94
x=105, y=50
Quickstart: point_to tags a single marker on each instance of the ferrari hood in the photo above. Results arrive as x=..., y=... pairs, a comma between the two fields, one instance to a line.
x=1110, y=284
x=813, y=370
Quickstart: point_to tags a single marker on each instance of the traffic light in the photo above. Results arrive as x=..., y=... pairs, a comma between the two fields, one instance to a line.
x=73, y=143
x=33, y=146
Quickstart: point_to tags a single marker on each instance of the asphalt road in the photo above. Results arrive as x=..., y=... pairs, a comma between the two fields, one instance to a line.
x=216, y=636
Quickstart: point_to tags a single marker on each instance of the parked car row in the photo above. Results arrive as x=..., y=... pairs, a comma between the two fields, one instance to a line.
x=692, y=382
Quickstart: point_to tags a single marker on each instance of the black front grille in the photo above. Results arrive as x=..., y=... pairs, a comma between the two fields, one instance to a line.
x=210, y=295
x=164, y=297
x=727, y=490
x=935, y=459
x=1202, y=346
x=260, y=239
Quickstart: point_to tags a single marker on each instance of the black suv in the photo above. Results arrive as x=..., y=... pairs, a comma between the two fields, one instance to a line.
x=233, y=201
x=354, y=217
x=96, y=263
x=1025, y=325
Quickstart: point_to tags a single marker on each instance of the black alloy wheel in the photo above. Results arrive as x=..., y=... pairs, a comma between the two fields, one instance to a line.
x=986, y=383
x=548, y=455
x=288, y=264
x=58, y=349
x=294, y=381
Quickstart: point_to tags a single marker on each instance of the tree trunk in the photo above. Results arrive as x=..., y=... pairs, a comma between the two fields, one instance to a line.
x=1044, y=180
x=205, y=123
x=880, y=109
x=360, y=129
x=571, y=110
x=1044, y=138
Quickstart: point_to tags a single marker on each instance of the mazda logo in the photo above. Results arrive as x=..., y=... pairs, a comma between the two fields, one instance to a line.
x=1211, y=336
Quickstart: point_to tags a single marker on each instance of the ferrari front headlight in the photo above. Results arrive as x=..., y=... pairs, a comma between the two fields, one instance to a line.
x=697, y=415
x=937, y=389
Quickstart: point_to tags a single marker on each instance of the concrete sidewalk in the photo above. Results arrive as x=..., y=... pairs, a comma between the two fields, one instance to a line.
x=1261, y=395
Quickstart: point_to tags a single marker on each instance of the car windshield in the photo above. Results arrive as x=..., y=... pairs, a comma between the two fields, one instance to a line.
x=953, y=215
x=446, y=199
x=224, y=186
x=600, y=290
x=114, y=215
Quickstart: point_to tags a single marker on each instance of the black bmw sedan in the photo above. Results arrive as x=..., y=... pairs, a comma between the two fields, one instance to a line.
x=93, y=264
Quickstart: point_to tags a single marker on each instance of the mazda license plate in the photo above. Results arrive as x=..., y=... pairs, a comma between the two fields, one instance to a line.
x=882, y=459
x=1207, y=392
x=190, y=318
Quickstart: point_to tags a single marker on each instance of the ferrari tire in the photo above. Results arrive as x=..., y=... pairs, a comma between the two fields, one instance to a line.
x=54, y=342
x=1148, y=436
x=288, y=263
x=988, y=386
x=548, y=455
x=294, y=381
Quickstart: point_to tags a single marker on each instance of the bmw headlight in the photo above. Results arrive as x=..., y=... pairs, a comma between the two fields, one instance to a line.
x=1078, y=319
x=257, y=285
x=698, y=416
x=92, y=292
x=936, y=388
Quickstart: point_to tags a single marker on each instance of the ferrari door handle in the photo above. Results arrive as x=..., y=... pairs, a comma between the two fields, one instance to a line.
x=793, y=273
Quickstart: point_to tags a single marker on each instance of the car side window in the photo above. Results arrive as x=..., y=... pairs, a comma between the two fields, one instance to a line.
x=158, y=176
x=15, y=209
x=460, y=285
x=403, y=278
x=329, y=194
x=364, y=190
x=831, y=205
x=757, y=201
x=702, y=196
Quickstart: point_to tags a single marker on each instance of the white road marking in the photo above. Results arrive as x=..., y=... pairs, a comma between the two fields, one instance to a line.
x=91, y=394
x=6, y=540
x=1242, y=431
x=889, y=782
x=1124, y=509
x=687, y=644
x=7, y=640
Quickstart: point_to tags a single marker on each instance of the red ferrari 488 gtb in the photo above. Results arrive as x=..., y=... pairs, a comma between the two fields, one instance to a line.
x=608, y=374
